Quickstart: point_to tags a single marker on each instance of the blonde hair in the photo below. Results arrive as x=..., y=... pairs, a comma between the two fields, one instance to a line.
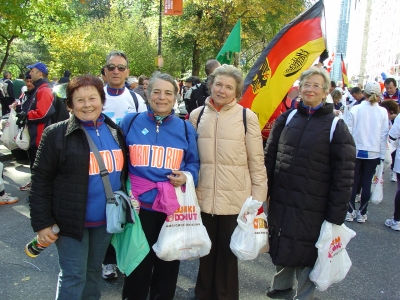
x=374, y=98
x=229, y=71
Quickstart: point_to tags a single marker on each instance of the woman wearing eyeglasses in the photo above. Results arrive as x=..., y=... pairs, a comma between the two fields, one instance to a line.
x=310, y=176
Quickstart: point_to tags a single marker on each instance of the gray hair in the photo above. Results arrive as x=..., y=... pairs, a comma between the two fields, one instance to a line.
x=117, y=53
x=229, y=71
x=316, y=71
x=165, y=77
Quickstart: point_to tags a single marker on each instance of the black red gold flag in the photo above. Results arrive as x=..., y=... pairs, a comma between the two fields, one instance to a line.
x=289, y=53
x=344, y=72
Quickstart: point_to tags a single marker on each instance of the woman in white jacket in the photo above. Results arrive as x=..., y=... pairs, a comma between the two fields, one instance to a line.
x=368, y=123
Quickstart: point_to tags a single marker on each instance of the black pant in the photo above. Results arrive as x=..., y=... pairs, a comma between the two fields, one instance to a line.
x=32, y=156
x=152, y=273
x=110, y=257
x=5, y=103
x=396, y=215
x=364, y=171
x=218, y=277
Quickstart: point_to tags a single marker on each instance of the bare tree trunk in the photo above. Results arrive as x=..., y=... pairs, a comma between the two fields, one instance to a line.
x=7, y=53
x=196, y=59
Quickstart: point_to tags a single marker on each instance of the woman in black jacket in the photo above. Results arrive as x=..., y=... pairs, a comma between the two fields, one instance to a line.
x=310, y=166
x=67, y=189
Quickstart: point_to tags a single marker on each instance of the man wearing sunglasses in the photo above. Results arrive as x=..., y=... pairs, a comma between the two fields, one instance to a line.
x=119, y=100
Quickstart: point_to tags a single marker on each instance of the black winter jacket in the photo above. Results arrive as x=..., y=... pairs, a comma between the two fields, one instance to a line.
x=60, y=177
x=310, y=180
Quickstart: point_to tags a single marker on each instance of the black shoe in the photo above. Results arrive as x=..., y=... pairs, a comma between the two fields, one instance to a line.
x=273, y=293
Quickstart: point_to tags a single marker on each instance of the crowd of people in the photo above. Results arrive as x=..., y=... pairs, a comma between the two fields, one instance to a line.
x=320, y=156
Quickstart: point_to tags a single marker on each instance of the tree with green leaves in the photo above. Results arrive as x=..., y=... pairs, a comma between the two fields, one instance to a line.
x=25, y=18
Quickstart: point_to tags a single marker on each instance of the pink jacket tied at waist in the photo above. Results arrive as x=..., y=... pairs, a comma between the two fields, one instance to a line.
x=165, y=201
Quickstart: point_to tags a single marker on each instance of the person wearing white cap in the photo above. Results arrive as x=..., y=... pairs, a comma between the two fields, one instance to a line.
x=369, y=125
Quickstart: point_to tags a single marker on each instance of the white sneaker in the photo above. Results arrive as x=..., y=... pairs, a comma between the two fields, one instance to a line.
x=350, y=216
x=393, y=176
x=109, y=271
x=361, y=218
x=358, y=198
x=7, y=199
x=395, y=225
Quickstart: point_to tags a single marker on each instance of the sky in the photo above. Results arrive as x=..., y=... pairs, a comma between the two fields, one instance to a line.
x=332, y=13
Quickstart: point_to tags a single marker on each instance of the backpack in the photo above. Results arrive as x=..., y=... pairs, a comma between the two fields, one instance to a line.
x=244, y=119
x=61, y=112
x=333, y=127
x=3, y=88
x=134, y=117
x=135, y=99
x=199, y=94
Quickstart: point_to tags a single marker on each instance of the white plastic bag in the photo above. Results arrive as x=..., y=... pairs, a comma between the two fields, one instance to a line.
x=23, y=138
x=377, y=185
x=333, y=262
x=183, y=235
x=243, y=241
x=10, y=131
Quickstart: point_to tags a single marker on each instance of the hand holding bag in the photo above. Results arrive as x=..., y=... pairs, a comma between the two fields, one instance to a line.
x=118, y=203
x=10, y=131
x=246, y=240
x=333, y=262
x=183, y=235
x=377, y=185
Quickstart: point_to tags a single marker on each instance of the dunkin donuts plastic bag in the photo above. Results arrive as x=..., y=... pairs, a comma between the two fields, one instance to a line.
x=183, y=235
x=333, y=262
x=251, y=234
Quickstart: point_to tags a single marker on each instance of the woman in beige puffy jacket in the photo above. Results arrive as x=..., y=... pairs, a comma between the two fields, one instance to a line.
x=231, y=170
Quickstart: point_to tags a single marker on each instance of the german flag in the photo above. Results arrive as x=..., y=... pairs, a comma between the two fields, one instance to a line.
x=290, y=52
x=344, y=72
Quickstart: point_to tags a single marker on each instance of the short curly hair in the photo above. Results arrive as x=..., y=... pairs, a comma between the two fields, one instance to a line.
x=80, y=81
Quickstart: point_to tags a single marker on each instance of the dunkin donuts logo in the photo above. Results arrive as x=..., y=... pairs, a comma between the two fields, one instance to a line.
x=335, y=248
x=183, y=213
x=259, y=223
x=297, y=63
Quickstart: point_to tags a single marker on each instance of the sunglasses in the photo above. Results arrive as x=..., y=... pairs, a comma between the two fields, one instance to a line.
x=111, y=67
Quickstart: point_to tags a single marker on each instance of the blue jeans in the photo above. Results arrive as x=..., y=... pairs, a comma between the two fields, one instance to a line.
x=80, y=264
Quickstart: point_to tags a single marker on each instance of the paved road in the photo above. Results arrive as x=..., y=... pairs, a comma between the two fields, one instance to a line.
x=375, y=253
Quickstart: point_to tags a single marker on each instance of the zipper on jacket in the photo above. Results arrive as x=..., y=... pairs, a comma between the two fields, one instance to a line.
x=97, y=132
x=157, y=130
x=215, y=158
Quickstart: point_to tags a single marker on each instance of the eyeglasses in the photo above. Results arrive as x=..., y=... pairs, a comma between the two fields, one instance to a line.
x=315, y=87
x=111, y=67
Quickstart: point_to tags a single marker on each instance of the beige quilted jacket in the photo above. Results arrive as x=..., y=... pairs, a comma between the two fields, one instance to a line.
x=231, y=162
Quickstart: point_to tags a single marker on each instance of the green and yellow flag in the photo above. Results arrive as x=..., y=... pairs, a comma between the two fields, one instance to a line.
x=232, y=45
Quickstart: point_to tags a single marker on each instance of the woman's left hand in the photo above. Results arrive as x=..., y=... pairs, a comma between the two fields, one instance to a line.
x=177, y=178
